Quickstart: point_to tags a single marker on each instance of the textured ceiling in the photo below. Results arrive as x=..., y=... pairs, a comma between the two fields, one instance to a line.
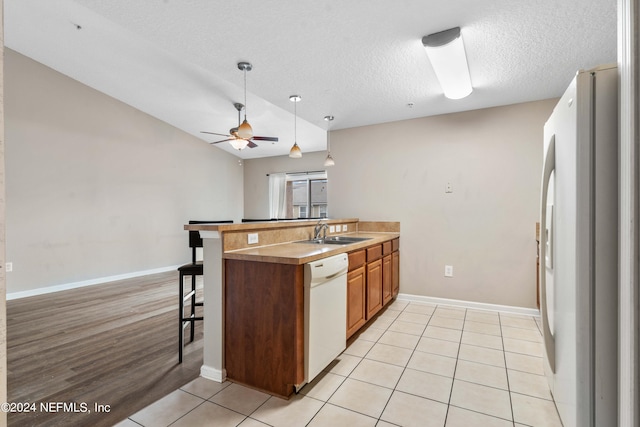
x=359, y=60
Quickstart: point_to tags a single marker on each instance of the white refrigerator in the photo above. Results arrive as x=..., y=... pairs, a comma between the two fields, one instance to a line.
x=578, y=250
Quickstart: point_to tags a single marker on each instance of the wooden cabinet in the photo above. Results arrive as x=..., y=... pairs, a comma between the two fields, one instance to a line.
x=264, y=325
x=387, y=282
x=395, y=273
x=356, y=297
x=356, y=291
x=374, y=287
x=395, y=267
x=387, y=273
x=372, y=282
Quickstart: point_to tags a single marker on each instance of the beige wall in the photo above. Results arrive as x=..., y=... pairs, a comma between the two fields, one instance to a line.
x=96, y=188
x=398, y=171
x=485, y=228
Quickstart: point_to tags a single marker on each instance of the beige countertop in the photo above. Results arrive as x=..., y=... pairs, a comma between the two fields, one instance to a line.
x=302, y=253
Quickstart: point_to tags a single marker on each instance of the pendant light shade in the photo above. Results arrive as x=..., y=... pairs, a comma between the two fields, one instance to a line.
x=329, y=160
x=244, y=130
x=295, y=152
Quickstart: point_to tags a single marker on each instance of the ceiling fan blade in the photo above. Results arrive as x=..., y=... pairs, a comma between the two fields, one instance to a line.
x=216, y=142
x=265, y=138
x=213, y=133
x=251, y=144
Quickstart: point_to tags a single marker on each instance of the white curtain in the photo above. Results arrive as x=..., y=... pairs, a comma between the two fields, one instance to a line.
x=277, y=195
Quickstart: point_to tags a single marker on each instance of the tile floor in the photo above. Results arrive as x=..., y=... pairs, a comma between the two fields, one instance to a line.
x=416, y=365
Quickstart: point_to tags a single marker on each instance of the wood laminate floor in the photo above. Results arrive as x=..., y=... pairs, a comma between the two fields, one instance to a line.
x=114, y=344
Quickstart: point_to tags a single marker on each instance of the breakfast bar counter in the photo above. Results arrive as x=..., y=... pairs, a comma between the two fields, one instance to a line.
x=276, y=242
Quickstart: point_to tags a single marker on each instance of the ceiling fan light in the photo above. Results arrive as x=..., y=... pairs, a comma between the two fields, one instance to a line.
x=329, y=160
x=239, y=144
x=295, y=152
x=244, y=130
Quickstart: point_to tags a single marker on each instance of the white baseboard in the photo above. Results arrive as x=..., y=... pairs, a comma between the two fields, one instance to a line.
x=470, y=304
x=213, y=374
x=91, y=282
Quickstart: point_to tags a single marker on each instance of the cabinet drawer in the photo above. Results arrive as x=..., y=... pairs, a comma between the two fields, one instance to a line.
x=374, y=252
x=387, y=248
x=395, y=243
x=356, y=259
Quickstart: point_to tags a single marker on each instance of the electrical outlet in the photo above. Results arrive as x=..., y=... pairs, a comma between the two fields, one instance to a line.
x=8, y=267
x=332, y=229
x=252, y=238
x=448, y=271
x=344, y=227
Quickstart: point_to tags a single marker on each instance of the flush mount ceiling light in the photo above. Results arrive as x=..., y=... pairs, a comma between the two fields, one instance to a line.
x=244, y=130
x=449, y=60
x=295, y=152
x=329, y=160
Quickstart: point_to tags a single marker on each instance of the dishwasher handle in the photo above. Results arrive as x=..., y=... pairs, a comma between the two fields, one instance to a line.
x=317, y=281
x=326, y=269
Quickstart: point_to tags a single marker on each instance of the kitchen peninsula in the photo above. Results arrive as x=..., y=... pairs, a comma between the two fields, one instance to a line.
x=254, y=293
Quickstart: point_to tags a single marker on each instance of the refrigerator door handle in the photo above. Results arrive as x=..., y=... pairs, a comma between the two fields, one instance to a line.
x=549, y=339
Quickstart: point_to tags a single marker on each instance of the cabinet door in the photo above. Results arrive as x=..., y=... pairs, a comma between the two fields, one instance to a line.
x=356, y=294
x=274, y=321
x=374, y=287
x=386, y=279
x=395, y=273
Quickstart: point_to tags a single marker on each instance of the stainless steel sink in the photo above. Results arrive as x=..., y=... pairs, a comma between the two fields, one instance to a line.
x=347, y=239
x=335, y=240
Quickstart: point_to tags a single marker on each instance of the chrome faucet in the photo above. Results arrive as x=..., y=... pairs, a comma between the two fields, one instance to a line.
x=320, y=228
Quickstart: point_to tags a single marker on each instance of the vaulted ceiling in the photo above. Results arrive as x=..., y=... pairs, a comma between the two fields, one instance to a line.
x=361, y=61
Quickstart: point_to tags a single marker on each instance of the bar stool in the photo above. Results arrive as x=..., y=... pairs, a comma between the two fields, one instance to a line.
x=193, y=269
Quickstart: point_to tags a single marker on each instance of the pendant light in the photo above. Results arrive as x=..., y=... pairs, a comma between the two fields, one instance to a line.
x=244, y=130
x=329, y=160
x=295, y=152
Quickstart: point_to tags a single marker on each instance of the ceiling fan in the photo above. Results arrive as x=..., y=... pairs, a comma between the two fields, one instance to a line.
x=235, y=140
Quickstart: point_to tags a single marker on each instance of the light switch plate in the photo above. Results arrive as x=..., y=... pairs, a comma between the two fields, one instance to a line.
x=332, y=229
x=344, y=227
x=448, y=271
x=252, y=238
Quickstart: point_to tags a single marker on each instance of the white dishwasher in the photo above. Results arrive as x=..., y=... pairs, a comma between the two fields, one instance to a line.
x=325, y=312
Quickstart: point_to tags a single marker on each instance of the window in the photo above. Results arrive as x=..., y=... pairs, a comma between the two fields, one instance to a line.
x=305, y=195
x=318, y=197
